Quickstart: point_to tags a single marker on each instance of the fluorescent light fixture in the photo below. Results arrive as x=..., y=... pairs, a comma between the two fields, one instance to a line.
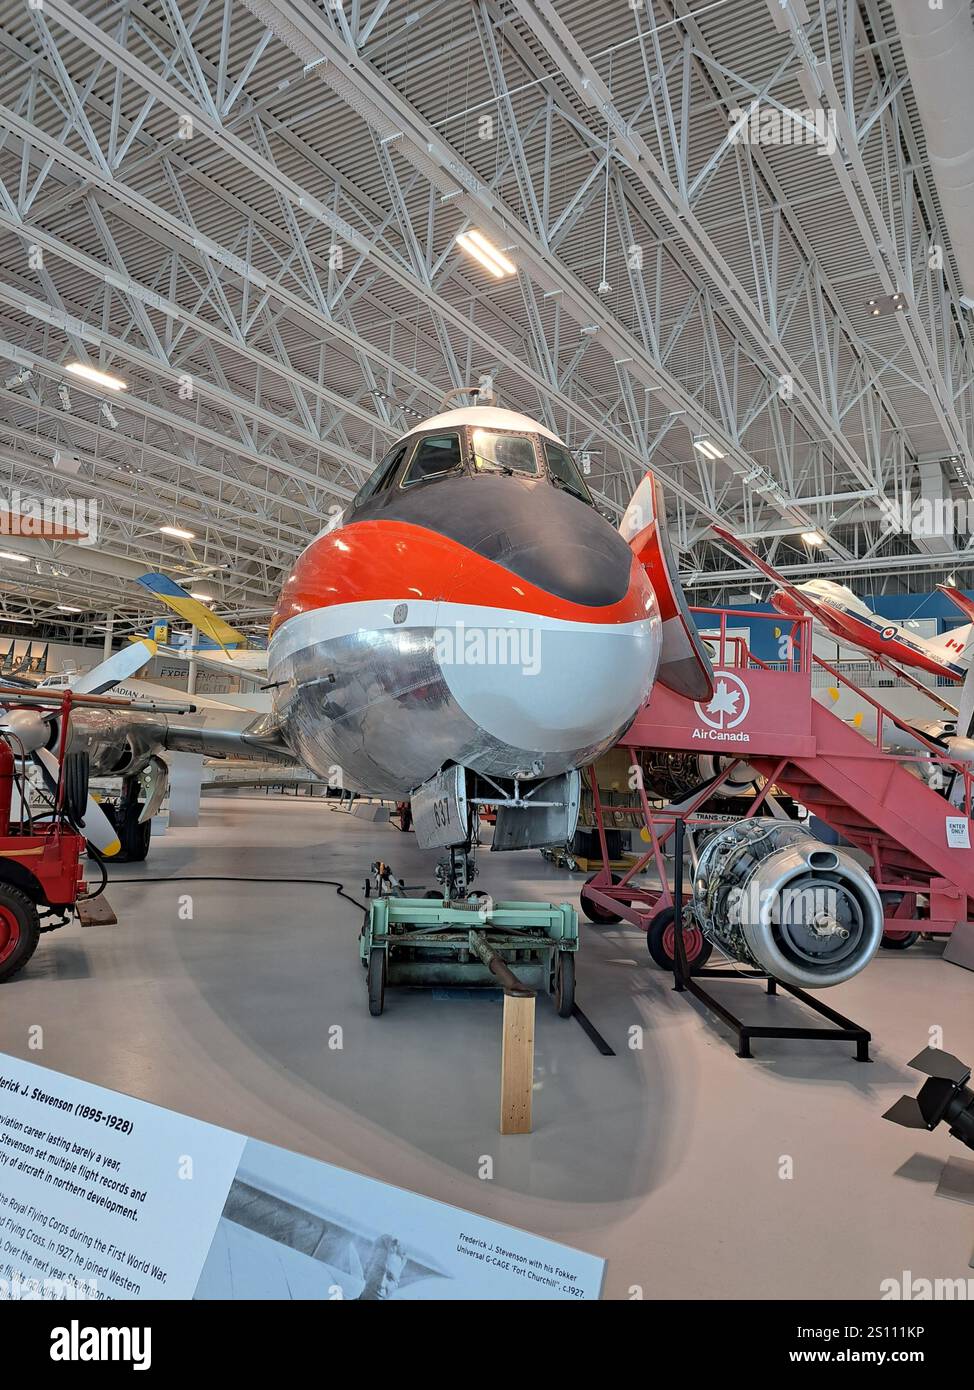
x=97, y=378
x=178, y=532
x=710, y=451
x=202, y=595
x=756, y=596
x=813, y=538
x=68, y=608
x=13, y=555
x=9, y=618
x=476, y=244
x=952, y=580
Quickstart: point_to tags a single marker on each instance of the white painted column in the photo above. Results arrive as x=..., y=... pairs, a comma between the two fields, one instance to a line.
x=194, y=637
x=109, y=629
x=185, y=780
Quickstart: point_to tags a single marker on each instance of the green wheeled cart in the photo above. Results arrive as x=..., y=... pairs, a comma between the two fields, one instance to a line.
x=435, y=941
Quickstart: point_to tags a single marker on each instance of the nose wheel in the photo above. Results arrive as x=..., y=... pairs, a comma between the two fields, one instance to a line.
x=457, y=872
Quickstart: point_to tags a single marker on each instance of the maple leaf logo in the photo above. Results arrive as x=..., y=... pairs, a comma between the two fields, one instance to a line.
x=724, y=701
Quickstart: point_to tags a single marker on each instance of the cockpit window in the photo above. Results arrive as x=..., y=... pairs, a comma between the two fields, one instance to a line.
x=564, y=472
x=383, y=475
x=434, y=456
x=504, y=453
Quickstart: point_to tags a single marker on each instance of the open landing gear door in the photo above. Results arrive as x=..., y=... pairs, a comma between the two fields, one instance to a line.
x=684, y=665
x=528, y=817
x=440, y=814
x=547, y=815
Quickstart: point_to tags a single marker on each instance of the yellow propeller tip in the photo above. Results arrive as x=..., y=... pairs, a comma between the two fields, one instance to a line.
x=153, y=646
x=110, y=850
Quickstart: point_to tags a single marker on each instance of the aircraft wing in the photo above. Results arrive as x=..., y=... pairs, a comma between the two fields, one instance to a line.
x=246, y=663
x=959, y=600
x=195, y=612
x=260, y=741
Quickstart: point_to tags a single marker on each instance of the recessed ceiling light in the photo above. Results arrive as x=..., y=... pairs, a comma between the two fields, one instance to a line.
x=97, y=378
x=178, y=532
x=476, y=244
x=813, y=538
x=12, y=555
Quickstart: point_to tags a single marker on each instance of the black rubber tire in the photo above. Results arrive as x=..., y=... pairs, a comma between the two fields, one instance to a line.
x=76, y=786
x=134, y=837
x=899, y=943
x=600, y=916
x=21, y=913
x=377, y=981
x=433, y=893
x=565, y=983
x=655, y=940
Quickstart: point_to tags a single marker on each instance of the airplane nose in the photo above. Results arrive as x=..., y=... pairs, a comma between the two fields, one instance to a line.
x=560, y=679
x=557, y=690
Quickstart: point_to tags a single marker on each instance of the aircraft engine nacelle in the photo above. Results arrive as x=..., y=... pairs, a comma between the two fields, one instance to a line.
x=114, y=751
x=772, y=896
x=674, y=775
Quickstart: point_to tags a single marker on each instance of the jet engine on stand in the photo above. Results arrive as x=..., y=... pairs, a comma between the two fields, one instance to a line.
x=770, y=895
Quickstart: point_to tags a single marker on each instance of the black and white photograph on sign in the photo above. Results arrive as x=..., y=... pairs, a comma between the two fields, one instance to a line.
x=292, y=1228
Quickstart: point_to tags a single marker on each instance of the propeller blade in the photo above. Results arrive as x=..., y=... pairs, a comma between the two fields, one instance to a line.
x=96, y=827
x=117, y=668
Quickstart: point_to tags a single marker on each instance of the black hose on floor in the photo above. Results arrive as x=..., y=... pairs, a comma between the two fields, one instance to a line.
x=236, y=878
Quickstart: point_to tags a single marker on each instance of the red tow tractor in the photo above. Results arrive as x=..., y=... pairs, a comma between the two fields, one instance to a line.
x=42, y=880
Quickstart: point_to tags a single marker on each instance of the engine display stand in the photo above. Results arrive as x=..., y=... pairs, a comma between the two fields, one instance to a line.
x=686, y=982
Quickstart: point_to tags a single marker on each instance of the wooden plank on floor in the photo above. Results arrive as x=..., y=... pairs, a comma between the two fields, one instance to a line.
x=95, y=912
x=517, y=1064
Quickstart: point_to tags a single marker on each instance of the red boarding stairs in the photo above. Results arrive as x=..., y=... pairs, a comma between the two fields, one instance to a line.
x=764, y=714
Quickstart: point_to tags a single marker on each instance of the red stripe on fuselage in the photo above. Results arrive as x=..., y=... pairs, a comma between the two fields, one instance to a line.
x=393, y=560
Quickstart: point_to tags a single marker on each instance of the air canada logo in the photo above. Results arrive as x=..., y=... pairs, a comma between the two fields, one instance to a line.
x=727, y=707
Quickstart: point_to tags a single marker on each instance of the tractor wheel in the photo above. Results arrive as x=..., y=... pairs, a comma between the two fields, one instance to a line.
x=601, y=916
x=898, y=941
x=377, y=981
x=661, y=940
x=19, y=930
x=565, y=983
